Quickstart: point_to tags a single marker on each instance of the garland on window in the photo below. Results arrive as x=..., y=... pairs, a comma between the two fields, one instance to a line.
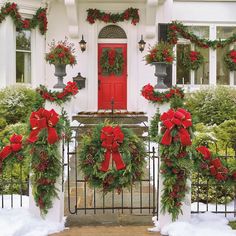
x=177, y=30
x=212, y=166
x=230, y=60
x=161, y=97
x=47, y=129
x=59, y=98
x=110, y=143
x=175, y=155
x=112, y=61
x=12, y=10
x=13, y=152
x=129, y=14
x=192, y=60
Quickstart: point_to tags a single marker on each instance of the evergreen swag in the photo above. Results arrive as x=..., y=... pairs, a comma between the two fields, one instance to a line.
x=192, y=60
x=230, y=60
x=153, y=96
x=128, y=14
x=47, y=128
x=112, y=61
x=177, y=30
x=12, y=153
x=107, y=143
x=59, y=98
x=175, y=152
x=212, y=167
x=39, y=19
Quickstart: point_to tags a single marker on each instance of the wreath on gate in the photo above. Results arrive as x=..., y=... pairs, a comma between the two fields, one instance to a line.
x=192, y=60
x=230, y=60
x=112, y=61
x=111, y=158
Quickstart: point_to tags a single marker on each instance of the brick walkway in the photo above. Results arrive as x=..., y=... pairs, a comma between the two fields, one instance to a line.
x=107, y=231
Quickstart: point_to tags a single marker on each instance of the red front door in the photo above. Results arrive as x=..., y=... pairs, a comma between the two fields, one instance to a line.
x=112, y=76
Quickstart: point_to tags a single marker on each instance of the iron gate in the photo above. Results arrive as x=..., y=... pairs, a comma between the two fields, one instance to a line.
x=141, y=199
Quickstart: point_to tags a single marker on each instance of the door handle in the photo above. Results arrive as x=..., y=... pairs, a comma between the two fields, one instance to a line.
x=99, y=82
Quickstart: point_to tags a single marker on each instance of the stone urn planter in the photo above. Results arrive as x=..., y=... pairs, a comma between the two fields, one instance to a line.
x=60, y=72
x=160, y=73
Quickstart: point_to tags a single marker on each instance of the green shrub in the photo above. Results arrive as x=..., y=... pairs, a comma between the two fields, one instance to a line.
x=212, y=106
x=3, y=123
x=226, y=133
x=17, y=102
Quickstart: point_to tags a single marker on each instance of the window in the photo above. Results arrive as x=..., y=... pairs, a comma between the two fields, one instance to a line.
x=200, y=76
x=223, y=74
x=23, y=57
x=183, y=75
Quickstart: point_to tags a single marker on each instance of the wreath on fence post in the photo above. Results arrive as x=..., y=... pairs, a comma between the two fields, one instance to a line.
x=111, y=158
x=112, y=61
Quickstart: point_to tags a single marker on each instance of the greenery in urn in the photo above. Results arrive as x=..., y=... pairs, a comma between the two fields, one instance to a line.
x=160, y=52
x=61, y=53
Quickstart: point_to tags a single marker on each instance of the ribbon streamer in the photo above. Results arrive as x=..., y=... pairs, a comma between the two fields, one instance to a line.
x=111, y=139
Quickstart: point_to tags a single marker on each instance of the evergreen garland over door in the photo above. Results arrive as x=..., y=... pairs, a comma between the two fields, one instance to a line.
x=112, y=77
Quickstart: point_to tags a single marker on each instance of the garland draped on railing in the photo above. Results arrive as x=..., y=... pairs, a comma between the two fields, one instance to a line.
x=12, y=10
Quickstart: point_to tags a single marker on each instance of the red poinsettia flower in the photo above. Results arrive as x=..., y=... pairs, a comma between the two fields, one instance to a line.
x=26, y=24
x=216, y=163
x=71, y=87
x=205, y=152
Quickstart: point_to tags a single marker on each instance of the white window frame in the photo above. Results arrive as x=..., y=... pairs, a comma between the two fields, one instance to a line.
x=212, y=56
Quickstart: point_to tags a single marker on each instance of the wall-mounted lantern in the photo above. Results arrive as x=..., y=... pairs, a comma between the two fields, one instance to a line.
x=82, y=44
x=141, y=44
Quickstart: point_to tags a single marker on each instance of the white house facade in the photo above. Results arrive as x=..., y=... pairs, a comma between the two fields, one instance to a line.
x=67, y=18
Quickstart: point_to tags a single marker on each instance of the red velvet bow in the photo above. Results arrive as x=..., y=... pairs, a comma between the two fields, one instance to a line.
x=180, y=119
x=215, y=165
x=111, y=139
x=44, y=119
x=15, y=146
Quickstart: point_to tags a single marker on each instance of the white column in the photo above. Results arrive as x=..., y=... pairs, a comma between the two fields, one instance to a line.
x=7, y=53
x=56, y=213
x=165, y=219
x=38, y=58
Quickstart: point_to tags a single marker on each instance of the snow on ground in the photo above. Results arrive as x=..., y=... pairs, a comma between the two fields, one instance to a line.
x=20, y=222
x=206, y=224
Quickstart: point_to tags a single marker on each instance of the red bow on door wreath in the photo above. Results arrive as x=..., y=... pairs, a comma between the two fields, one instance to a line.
x=111, y=139
x=180, y=119
x=44, y=119
x=15, y=146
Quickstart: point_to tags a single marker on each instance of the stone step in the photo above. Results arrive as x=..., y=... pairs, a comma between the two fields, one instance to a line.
x=137, y=129
x=120, y=118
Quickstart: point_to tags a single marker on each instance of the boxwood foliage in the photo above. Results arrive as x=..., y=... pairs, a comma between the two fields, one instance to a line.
x=17, y=102
x=212, y=106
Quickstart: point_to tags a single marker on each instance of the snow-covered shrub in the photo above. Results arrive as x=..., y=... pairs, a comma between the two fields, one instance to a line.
x=212, y=106
x=17, y=102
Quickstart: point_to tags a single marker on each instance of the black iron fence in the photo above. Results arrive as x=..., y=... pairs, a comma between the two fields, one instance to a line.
x=14, y=186
x=216, y=197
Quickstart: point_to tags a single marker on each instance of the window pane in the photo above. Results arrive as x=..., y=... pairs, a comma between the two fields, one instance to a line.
x=222, y=72
x=23, y=67
x=200, y=31
x=202, y=74
x=224, y=32
x=23, y=40
x=183, y=75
